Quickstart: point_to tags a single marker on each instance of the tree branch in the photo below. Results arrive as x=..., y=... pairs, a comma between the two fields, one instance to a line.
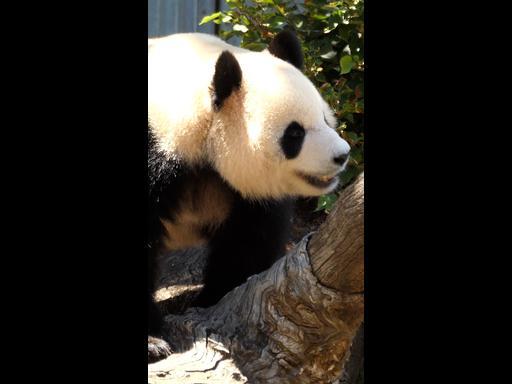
x=293, y=323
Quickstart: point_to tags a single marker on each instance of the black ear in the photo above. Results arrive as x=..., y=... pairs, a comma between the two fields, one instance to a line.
x=286, y=46
x=227, y=78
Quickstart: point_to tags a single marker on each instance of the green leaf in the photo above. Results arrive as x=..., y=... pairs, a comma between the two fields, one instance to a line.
x=329, y=55
x=255, y=46
x=356, y=155
x=330, y=28
x=320, y=77
x=349, y=117
x=240, y=27
x=346, y=64
x=211, y=17
x=349, y=174
x=326, y=202
x=352, y=136
x=359, y=108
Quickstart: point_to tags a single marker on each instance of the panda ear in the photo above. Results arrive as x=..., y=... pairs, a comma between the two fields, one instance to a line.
x=227, y=78
x=286, y=46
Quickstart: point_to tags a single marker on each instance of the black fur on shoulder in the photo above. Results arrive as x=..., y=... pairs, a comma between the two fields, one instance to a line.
x=286, y=46
x=249, y=242
x=227, y=78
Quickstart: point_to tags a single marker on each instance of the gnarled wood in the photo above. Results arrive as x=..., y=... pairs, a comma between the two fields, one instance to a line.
x=293, y=323
x=336, y=250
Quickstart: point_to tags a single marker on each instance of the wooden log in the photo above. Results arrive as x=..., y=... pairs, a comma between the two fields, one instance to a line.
x=293, y=323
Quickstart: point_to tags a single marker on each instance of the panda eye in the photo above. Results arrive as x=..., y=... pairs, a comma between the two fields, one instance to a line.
x=291, y=142
x=295, y=131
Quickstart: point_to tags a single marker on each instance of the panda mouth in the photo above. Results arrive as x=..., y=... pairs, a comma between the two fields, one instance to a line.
x=322, y=182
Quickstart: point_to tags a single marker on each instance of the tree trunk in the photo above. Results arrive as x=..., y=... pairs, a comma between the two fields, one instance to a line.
x=294, y=323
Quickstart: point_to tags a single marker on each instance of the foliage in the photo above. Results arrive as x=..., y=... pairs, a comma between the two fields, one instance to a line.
x=332, y=36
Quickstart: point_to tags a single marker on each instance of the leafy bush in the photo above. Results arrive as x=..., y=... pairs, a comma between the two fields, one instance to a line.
x=332, y=35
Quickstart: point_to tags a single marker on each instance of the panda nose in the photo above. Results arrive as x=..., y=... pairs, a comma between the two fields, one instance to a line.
x=341, y=159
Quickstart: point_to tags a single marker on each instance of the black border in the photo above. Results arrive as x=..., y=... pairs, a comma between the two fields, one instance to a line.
x=428, y=109
x=76, y=272
x=79, y=110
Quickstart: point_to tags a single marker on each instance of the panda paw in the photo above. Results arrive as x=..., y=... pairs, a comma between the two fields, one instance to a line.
x=158, y=349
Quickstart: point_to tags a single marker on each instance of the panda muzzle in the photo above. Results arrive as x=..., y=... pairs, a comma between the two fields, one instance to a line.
x=323, y=181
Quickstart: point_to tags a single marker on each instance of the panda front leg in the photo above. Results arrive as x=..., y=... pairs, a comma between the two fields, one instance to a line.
x=249, y=242
x=158, y=347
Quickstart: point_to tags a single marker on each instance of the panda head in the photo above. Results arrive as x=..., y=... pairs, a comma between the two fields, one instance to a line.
x=272, y=134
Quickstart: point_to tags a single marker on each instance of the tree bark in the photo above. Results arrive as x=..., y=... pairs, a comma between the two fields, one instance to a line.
x=294, y=323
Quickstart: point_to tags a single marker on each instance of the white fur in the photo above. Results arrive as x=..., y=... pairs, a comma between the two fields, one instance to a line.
x=242, y=139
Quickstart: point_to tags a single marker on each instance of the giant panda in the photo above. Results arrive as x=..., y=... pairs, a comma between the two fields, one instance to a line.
x=233, y=137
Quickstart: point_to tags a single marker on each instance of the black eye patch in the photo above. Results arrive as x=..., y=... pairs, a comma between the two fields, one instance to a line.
x=292, y=140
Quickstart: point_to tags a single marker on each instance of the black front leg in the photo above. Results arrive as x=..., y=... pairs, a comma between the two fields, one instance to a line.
x=154, y=315
x=158, y=348
x=253, y=237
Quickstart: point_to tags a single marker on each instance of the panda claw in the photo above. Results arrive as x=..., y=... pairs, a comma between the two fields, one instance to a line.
x=158, y=349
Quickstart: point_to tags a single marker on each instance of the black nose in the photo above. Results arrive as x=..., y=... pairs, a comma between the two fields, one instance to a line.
x=342, y=158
